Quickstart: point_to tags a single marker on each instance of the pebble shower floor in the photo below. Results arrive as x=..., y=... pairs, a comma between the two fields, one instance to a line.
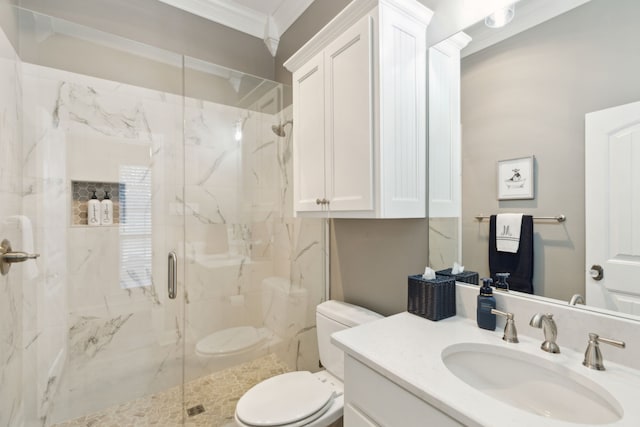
x=217, y=393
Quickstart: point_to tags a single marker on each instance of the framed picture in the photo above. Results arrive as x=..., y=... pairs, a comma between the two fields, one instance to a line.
x=515, y=179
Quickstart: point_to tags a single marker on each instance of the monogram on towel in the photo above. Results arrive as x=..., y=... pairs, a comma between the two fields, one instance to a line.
x=508, y=232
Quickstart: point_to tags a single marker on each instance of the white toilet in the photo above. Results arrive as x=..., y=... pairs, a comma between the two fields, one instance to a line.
x=304, y=398
x=284, y=311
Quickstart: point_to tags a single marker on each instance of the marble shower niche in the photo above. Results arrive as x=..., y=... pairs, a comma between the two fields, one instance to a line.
x=100, y=328
x=81, y=193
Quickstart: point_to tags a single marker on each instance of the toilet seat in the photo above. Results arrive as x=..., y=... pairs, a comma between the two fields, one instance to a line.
x=293, y=399
x=229, y=341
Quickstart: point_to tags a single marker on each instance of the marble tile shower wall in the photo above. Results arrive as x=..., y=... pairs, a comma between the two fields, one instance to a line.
x=94, y=343
x=443, y=242
x=12, y=227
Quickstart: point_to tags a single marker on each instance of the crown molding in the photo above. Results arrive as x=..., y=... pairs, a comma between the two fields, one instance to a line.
x=345, y=19
x=454, y=44
x=230, y=14
x=348, y=17
x=269, y=28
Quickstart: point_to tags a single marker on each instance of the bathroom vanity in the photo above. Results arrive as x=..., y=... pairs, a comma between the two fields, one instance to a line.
x=409, y=371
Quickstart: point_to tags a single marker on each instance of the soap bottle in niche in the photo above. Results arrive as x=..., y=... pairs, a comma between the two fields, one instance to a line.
x=106, y=206
x=486, y=302
x=93, y=210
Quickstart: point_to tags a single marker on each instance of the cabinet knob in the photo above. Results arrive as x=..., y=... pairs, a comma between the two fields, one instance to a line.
x=318, y=202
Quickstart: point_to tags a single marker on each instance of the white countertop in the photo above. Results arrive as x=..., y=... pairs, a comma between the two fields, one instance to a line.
x=407, y=350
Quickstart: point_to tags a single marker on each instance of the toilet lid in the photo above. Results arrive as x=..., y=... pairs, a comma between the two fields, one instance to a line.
x=229, y=340
x=285, y=399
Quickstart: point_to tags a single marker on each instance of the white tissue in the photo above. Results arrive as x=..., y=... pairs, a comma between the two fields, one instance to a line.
x=429, y=274
x=457, y=268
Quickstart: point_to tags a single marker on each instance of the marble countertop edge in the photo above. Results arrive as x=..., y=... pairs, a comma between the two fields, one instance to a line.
x=407, y=350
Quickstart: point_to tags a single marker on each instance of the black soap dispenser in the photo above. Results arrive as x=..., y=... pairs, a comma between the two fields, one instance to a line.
x=486, y=302
x=502, y=284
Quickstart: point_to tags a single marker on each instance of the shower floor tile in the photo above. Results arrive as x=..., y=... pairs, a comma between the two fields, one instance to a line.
x=217, y=393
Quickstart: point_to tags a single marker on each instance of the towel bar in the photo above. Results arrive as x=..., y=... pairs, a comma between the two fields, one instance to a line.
x=559, y=218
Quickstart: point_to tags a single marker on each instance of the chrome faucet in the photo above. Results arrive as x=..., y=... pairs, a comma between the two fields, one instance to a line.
x=576, y=299
x=510, y=332
x=548, y=325
x=593, y=356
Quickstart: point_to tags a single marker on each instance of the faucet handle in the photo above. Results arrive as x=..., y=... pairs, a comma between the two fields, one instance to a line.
x=593, y=355
x=510, y=332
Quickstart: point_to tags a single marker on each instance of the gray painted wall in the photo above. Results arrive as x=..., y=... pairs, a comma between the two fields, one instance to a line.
x=157, y=24
x=9, y=21
x=97, y=53
x=528, y=96
x=317, y=15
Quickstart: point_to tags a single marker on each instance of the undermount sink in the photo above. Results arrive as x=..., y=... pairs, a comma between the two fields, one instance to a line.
x=532, y=383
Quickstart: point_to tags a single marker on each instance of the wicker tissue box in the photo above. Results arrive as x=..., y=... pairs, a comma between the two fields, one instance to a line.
x=465, y=276
x=433, y=299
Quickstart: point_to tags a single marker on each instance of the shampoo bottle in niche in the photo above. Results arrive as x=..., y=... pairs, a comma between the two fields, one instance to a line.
x=106, y=206
x=93, y=210
x=486, y=302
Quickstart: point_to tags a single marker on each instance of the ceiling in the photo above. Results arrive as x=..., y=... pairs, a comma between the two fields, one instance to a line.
x=265, y=19
x=529, y=13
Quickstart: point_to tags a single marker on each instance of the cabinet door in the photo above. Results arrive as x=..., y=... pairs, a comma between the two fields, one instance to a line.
x=403, y=114
x=308, y=141
x=349, y=119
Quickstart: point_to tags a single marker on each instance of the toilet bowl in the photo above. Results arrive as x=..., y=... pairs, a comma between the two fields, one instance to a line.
x=303, y=398
x=292, y=399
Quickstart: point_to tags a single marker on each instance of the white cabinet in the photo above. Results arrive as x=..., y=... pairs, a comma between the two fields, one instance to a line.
x=359, y=112
x=445, y=136
x=372, y=400
x=334, y=137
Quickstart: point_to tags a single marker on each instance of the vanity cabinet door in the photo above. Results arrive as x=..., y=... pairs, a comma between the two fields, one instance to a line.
x=354, y=418
x=308, y=143
x=383, y=403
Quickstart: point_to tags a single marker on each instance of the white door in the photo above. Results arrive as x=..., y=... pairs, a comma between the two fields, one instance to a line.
x=612, y=172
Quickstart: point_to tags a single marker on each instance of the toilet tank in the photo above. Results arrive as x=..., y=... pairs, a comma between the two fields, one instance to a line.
x=334, y=316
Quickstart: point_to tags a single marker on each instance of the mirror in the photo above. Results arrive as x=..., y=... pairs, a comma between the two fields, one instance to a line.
x=527, y=95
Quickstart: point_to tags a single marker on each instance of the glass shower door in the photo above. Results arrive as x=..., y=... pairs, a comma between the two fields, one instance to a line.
x=196, y=162
x=103, y=120
x=254, y=273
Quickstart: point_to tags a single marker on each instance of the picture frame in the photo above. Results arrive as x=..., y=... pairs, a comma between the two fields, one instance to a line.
x=515, y=179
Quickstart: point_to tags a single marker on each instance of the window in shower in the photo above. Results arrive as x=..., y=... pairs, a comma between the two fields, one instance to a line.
x=135, y=227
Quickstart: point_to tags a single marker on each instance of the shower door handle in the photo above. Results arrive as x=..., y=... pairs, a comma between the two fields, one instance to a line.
x=8, y=256
x=172, y=278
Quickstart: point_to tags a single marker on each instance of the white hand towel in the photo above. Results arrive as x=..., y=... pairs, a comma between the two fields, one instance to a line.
x=508, y=232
